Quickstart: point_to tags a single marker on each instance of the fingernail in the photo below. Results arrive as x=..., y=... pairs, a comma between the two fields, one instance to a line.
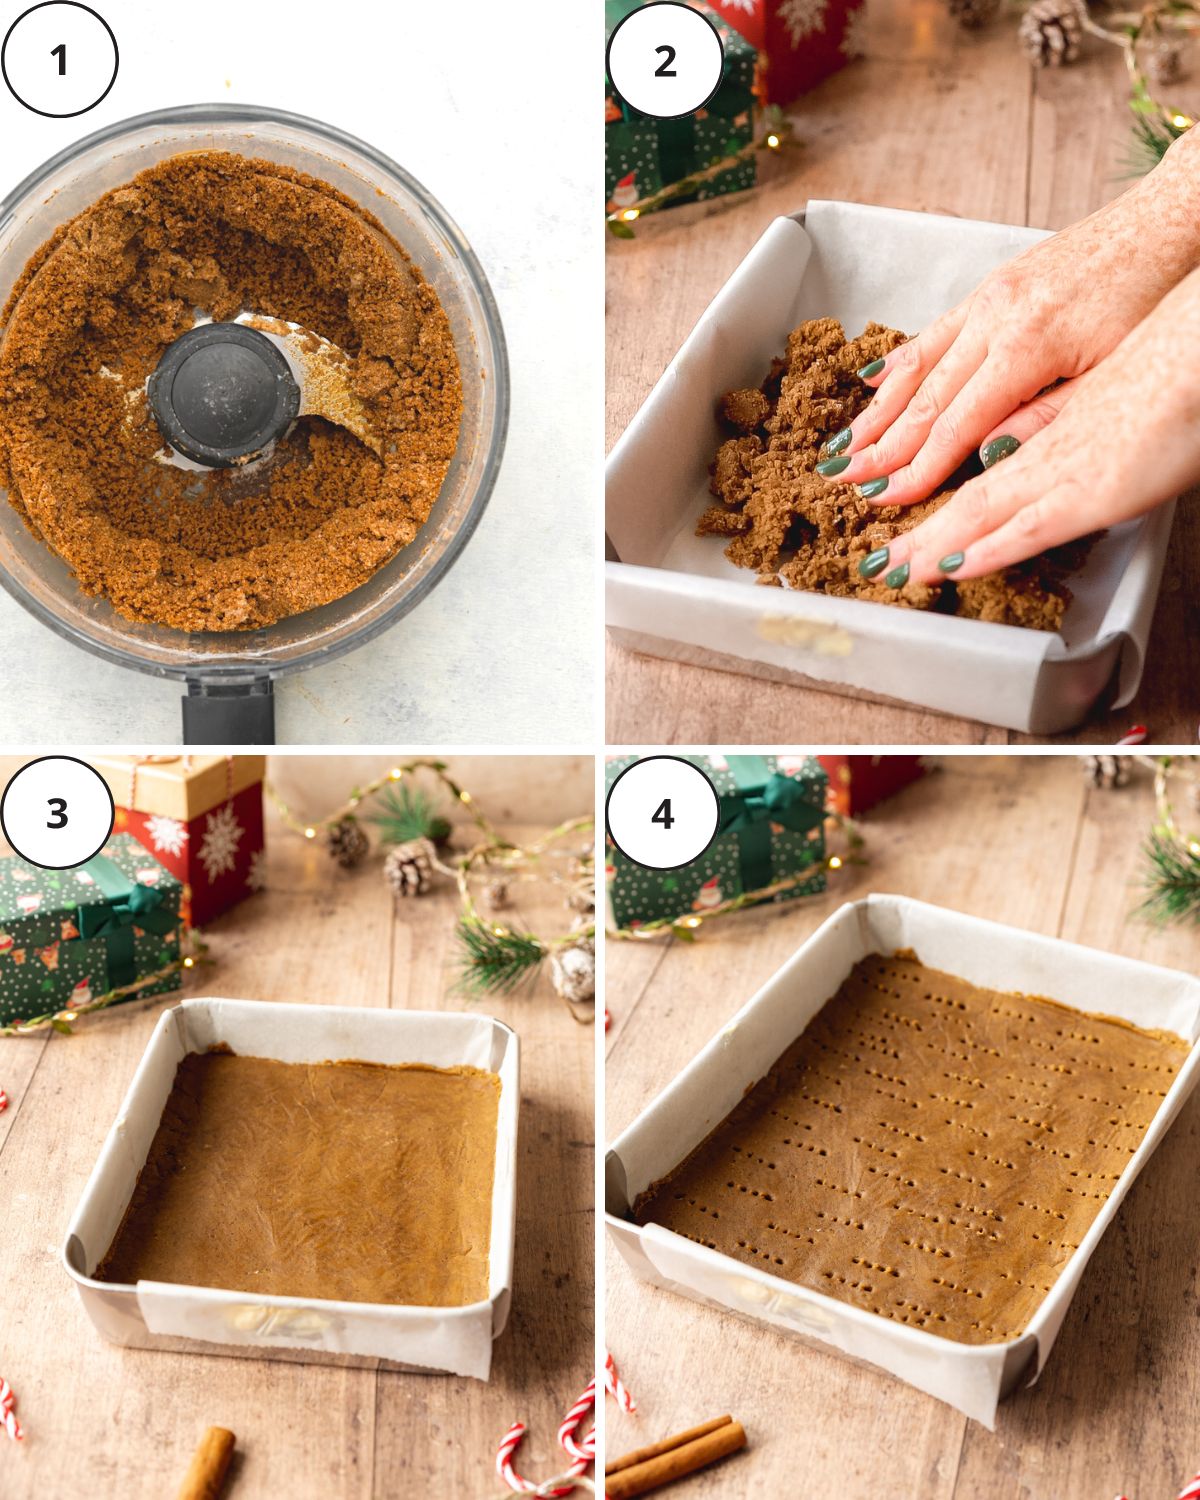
x=998, y=448
x=871, y=370
x=873, y=487
x=832, y=467
x=951, y=563
x=874, y=562
x=898, y=577
x=838, y=443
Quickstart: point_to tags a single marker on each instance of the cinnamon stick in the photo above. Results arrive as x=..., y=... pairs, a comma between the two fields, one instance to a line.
x=210, y=1462
x=652, y=1450
x=674, y=1463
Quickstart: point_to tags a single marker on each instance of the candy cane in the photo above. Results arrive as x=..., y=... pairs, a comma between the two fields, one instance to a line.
x=615, y=1387
x=1191, y=1491
x=8, y=1418
x=1136, y=736
x=3, y=1101
x=585, y=1450
x=521, y=1486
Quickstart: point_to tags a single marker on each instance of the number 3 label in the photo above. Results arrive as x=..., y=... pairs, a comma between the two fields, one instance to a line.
x=663, y=812
x=57, y=812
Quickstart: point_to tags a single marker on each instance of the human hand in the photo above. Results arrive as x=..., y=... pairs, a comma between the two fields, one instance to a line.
x=1052, y=313
x=1098, y=450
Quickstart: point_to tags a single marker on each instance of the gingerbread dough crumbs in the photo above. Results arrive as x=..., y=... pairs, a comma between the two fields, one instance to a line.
x=350, y=1181
x=929, y=1150
x=217, y=234
x=801, y=531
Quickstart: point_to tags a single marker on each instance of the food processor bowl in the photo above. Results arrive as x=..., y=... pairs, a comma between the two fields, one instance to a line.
x=230, y=674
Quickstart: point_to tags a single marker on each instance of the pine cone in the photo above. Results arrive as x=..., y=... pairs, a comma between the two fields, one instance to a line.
x=1050, y=31
x=496, y=895
x=573, y=971
x=346, y=843
x=972, y=14
x=1106, y=770
x=408, y=869
x=1164, y=60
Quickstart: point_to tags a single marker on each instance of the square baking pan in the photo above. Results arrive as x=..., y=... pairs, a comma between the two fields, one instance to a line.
x=670, y=593
x=154, y=1315
x=971, y=1377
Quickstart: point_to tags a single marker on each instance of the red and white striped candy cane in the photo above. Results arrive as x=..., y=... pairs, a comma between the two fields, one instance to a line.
x=3, y=1101
x=8, y=1418
x=521, y=1486
x=615, y=1387
x=586, y=1449
x=1191, y=1491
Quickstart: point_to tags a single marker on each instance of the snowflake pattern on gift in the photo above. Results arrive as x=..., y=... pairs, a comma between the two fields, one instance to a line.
x=854, y=38
x=746, y=5
x=168, y=835
x=256, y=875
x=803, y=18
x=218, y=847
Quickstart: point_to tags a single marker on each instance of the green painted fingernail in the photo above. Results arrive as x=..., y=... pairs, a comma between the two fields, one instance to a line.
x=838, y=443
x=951, y=563
x=998, y=448
x=898, y=577
x=873, y=487
x=832, y=467
x=868, y=371
x=874, y=562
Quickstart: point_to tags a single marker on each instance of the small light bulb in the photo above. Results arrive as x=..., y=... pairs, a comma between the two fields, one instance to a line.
x=189, y=963
x=1181, y=122
x=395, y=773
x=836, y=862
x=310, y=833
x=500, y=932
x=773, y=142
x=464, y=796
x=630, y=214
x=691, y=921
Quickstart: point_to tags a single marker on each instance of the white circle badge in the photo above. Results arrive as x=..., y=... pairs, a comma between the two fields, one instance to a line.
x=663, y=812
x=59, y=58
x=665, y=59
x=57, y=812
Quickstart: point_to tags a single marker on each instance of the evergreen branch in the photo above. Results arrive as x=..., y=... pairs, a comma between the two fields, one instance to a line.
x=1172, y=880
x=494, y=959
x=408, y=813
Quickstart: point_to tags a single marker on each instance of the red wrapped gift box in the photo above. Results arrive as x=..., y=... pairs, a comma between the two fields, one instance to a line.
x=857, y=782
x=799, y=41
x=199, y=815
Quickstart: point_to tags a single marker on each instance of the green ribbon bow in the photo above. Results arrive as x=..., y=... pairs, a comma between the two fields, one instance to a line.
x=764, y=797
x=127, y=904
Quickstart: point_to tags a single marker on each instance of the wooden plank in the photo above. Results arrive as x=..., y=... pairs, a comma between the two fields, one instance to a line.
x=1112, y=1412
x=107, y=1421
x=961, y=838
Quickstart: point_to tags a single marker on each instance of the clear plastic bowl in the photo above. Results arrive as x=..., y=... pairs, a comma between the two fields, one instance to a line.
x=68, y=183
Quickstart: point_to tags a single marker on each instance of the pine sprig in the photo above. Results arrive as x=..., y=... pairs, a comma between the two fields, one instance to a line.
x=495, y=959
x=1172, y=880
x=409, y=813
x=1154, y=130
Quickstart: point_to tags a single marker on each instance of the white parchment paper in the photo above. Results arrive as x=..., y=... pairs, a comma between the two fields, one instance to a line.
x=971, y=1378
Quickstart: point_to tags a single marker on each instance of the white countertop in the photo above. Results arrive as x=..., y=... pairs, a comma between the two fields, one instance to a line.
x=482, y=104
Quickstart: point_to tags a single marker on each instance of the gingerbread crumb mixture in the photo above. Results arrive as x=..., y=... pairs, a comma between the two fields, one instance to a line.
x=804, y=532
x=227, y=549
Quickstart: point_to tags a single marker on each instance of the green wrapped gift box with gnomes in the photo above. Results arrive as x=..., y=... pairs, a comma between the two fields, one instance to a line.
x=69, y=936
x=772, y=828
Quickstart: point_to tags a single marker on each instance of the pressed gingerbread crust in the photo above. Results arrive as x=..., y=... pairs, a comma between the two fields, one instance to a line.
x=229, y=549
x=797, y=529
x=926, y=1149
x=349, y=1181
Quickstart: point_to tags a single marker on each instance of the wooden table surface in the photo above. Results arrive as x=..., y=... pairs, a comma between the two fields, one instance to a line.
x=104, y=1421
x=1021, y=840
x=935, y=119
